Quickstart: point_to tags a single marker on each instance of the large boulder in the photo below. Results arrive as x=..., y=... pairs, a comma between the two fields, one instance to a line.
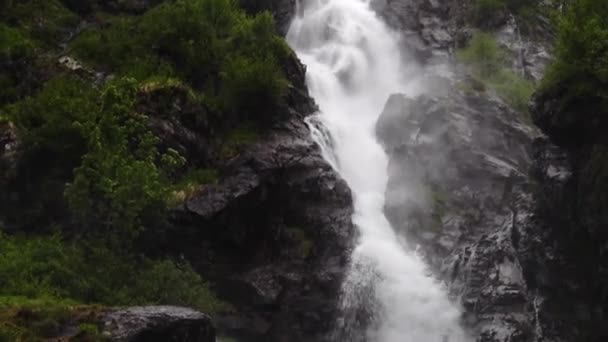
x=157, y=324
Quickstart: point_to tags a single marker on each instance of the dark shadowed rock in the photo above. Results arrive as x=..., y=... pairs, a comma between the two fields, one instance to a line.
x=498, y=214
x=9, y=144
x=288, y=215
x=158, y=324
x=274, y=232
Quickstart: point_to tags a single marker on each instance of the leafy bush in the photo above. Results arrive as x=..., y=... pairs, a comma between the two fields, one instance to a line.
x=16, y=54
x=26, y=319
x=52, y=143
x=45, y=20
x=121, y=184
x=483, y=55
x=515, y=89
x=95, y=139
x=14, y=44
x=233, y=58
x=581, y=64
x=485, y=59
x=47, y=267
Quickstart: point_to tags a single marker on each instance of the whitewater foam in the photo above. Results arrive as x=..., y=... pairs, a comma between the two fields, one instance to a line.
x=353, y=64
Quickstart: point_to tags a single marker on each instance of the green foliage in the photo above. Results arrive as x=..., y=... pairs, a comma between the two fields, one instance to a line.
x=163, y=282
x=233, y=58
x=50, y=129
x=95, y=139
x=514, y=89
x=485, y=59
x=45, y=20
x=121, y=183
x=16, y=54
x=51, y=123
x=14, y=44
x=26, y=319
x=581, y=64
x=237, y=139
x=483, y=55
x=190, y=184
x=51, y=269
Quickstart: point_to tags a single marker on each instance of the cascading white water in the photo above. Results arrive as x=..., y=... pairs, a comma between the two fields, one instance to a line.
x=353, y=64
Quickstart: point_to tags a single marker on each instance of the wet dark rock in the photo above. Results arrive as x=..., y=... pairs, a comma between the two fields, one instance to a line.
x=497, y=210
x=274, y=232
x=283, y=216
x=157, y=324
x=457, y=187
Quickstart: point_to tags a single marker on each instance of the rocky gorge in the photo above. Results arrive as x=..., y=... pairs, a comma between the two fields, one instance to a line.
x=495, y=200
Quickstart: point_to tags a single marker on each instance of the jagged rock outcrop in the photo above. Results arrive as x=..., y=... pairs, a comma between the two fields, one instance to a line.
x=157, y=324
x=459, y=187
x=273, y=233
x=433, y=29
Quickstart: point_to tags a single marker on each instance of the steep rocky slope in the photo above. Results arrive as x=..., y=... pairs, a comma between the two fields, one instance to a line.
x=490, y=202
x=269, y=229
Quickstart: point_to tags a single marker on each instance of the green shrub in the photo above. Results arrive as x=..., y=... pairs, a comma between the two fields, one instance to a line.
x=514, y=89
x=231, y=57
x=45, y=20
x=121, y=184
x=237, y=139
x=485, y=59
x=581, y=56
x=482, y=55
x=95, y=140
x=48, y=268
x=14, y=44
x=17, y=53
x=52, y=141
x=40, y=319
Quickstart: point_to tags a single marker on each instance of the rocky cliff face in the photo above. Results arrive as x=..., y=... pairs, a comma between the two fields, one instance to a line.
x=495, y=207
x=273, y=233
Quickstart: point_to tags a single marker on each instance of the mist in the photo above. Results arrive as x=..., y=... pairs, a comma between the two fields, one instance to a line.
x=354, y=64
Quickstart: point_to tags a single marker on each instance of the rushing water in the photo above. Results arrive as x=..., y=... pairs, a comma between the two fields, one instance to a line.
x=353, y=64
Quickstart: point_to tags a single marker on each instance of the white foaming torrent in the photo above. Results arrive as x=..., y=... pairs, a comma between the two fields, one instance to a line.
x=353, y=65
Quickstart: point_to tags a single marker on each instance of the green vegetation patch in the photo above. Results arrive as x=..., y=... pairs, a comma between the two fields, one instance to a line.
x=41, y=319
x=190, y=184
x=233, y=58
x=45, y=20
x=486, y=62
x=580, y=69
x=238, y=139
x=53, y=269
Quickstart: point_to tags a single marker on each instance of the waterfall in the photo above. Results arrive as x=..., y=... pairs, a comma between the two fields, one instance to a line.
x=353, y=64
